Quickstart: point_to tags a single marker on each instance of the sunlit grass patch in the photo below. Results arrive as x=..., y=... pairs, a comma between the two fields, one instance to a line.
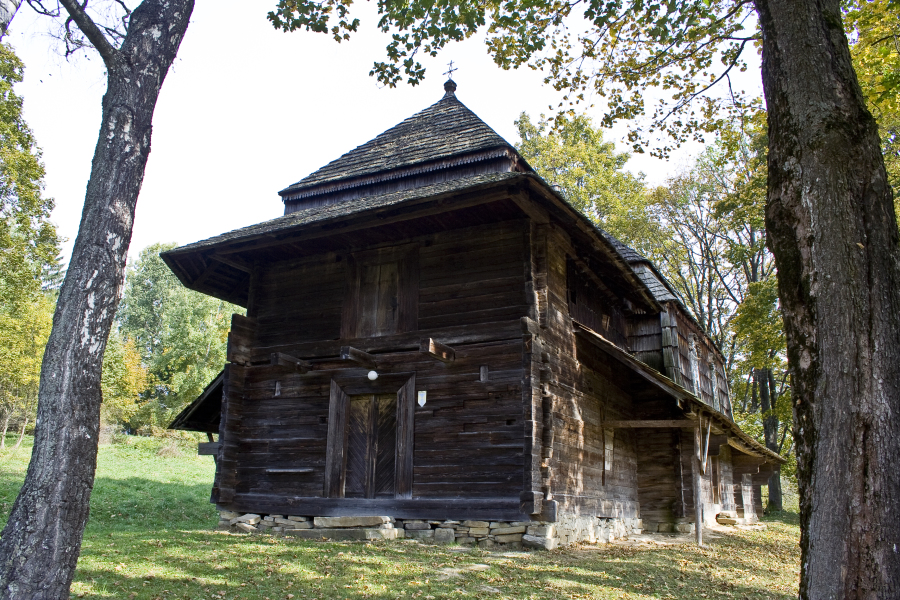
x=151, y=536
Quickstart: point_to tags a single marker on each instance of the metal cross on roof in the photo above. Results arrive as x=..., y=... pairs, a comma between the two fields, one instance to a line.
x=449, y=72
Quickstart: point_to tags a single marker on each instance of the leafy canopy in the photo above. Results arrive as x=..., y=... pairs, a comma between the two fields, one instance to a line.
x=616, y=49
x=180, y=336
x=122, y=381
x=28, y=249
x=590, y=173
x=28, y=241
x=873, y=28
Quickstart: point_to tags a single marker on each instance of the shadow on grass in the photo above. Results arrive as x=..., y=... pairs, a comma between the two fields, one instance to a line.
x=192, y=564
x=151, y=536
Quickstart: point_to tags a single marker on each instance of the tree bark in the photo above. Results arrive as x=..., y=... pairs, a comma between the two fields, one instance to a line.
x=8, y=10
x=41, y=541
x=832, y=229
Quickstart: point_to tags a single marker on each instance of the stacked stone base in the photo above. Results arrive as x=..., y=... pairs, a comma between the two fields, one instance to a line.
x=678, y=526
x=569, y=529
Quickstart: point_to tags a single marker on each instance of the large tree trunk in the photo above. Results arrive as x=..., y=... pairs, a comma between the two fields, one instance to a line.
x=832, y=229
x=8, y=9
x=767, y=398
x=41, y=541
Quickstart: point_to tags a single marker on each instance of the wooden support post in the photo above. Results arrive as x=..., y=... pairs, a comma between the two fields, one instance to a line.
x=285, y=360
x=358, y=356
x=442, y=352
x=698, y=485
x=705, y=443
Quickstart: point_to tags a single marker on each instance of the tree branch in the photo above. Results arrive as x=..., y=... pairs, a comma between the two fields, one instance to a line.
x=108, y=52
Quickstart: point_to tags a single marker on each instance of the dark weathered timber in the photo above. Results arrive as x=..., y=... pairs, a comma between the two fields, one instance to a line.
x=441, y=352
x=358, y=356
x=466, y=296
x=335, y=453
x=208, y=449
x=656, y=424
x=280, y=359
x=41, y=541
x=459, y=508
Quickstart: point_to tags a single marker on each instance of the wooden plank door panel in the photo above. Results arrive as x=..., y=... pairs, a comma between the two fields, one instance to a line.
x=358, y=442
x=370, y=443
x=386, y=444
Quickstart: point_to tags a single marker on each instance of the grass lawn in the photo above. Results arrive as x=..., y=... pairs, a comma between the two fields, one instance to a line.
x=151, y=536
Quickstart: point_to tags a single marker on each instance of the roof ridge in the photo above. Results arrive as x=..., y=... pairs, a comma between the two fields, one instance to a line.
x=446, y=128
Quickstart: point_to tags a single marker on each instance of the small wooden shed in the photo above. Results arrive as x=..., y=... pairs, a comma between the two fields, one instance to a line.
x=434, y=335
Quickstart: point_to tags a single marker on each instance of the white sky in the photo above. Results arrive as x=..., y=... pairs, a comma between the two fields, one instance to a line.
x=248, y=110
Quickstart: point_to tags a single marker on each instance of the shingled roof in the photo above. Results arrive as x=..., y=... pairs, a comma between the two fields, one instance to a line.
x=443, y=130
x=644, y=269
x=313, y=215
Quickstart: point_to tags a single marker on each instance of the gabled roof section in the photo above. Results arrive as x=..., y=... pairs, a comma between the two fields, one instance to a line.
x=444, y=130
x=645, y=270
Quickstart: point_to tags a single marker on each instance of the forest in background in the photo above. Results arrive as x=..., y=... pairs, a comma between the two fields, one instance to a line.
x=703, y=230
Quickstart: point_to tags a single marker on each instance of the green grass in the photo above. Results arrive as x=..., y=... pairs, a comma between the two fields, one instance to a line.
x=151, y=537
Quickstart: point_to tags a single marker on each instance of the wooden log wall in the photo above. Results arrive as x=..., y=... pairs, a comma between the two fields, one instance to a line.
x=669, y=340
x=645, y=340
x=580, y=397
x=708, y=353
x=659, y=475
x=718, y=483
x=472, y=439
x=594, y=306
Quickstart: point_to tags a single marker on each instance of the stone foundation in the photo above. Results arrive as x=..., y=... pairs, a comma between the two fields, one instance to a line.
x=569, y=529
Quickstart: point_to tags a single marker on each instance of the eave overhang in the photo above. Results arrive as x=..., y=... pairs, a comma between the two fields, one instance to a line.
x=204, y=412
x=693, y=406
x=221, y=266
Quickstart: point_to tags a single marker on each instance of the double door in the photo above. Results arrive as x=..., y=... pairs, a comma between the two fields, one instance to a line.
x=371, y=446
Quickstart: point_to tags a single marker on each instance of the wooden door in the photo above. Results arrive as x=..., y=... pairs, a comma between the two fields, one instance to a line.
x=371, y=446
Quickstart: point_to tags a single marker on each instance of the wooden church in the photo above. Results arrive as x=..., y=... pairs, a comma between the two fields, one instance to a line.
x=434, y=336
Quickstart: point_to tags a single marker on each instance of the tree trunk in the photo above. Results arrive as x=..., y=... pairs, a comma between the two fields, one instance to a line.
x=767, y=398
x=21, y=434
x=5, y=429
x=41, y=541
x=832, y=229
x=8, y=10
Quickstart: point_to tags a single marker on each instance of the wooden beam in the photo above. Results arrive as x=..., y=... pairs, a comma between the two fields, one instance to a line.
x=500, y=509
x=384, y=215
x=207, y=448
x=282, y=471
x=530, y=208
x=238, y=264
x=435, y=349
x=654, y=424
x=358, y=356
x=281, y=359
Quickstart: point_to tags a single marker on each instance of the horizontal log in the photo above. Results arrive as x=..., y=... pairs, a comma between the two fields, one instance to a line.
x=286, y=360
x=487, y=508
x=435, y=349
x=656, y=424
x=358, y=356
x=207, y=448
x=280, y=471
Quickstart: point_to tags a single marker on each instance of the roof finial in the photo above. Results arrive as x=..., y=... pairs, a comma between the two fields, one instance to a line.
x=450, y=85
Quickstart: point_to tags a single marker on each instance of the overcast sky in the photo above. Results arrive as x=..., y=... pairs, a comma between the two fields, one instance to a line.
x=248, y=110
